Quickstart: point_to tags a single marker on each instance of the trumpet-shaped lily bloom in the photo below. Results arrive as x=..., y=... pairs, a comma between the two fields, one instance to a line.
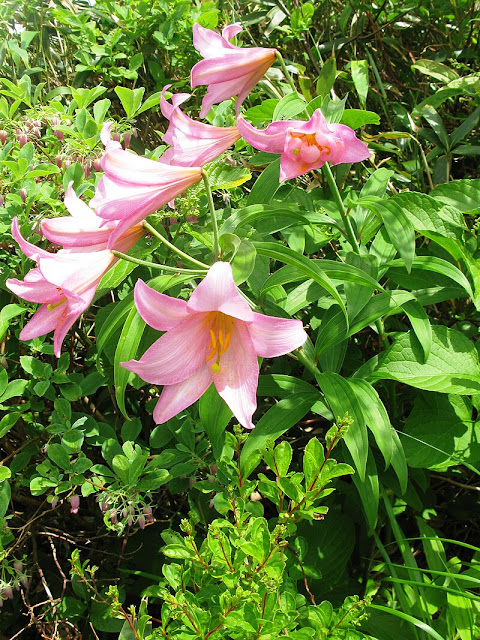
x=84, y=229
x=305, y=145
x=228, y=70
x=134, y=187
x=64, y=283
x=214, y=337
x=192, y=143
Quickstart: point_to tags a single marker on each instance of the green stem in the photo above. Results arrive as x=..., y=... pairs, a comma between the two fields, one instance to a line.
x=160, y=267
x=286, y=72
x=307, y=363
x=172, y=247
x=327, y=172
x=211, y=206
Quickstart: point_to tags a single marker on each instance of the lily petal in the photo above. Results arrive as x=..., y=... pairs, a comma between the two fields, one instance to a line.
x=218, y=292
x=176, y=355
x=237, y=379
x=160, y=311
x=177, y=397
x=273, y=337
x=30, y=250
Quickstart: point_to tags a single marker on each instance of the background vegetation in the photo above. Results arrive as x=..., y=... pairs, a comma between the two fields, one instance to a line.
x=195, y=529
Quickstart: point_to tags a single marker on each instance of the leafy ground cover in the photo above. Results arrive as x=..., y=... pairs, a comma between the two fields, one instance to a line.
x=350, y=510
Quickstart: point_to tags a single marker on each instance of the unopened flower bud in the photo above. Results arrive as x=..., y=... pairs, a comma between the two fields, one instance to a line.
x=141, y=522
x=130, y=521
x=193, y=219
x=126, y=139
x=1, y=603
x=37, y=124
x=59, y=161
x=54, y=502
x=67, y=164
x=22, y=139
x=3, y=136
x=24, y=581
x=55, y=121
x=97, y=165
x=18, y=566
x=134, y=133
x=7, y=592
x=104, y=506
x=147, y=512
x=113, y=516
x=74, y=503
x=23, y=194
x=173, y=220
x=2, y=201
x=58, y=134
x=116, y=136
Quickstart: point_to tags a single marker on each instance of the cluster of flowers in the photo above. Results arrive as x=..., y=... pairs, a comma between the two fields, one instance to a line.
x=215, y=336
x=8, y=583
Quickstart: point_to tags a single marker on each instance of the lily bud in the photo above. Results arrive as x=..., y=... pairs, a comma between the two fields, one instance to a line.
x=74, y=504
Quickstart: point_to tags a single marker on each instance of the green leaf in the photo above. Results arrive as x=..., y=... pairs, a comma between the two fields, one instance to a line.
x=451, y=367
x=215, y=416
x=398, y=226
x=368, y=490
x=288, y=107
x=59, y=456
x=420, y=324
x=435, y=121
x=283, y=457
x=359, y=70
x=437, y=265
x=8, y=312
x=332, y=330
x=5, y=473
x=288, y=214
x=272, y=425
x=313, y=458
x=342, y=398
x=327, y=77
x=224, y=176
x=306, y=266
x=8, y=421
x=439, y=432
x=405, y=616
x=131, y=99
x=461, y=194
x=435, y=69
x=377, y=307
x=266, y=185
x=375, y=416
x=357, y=118
x=126, y=350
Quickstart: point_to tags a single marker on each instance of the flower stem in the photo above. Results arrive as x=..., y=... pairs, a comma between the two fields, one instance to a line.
x=211, y=206
x=286, y=72
x=161, y=267
x=327, y=172
x=172, y=247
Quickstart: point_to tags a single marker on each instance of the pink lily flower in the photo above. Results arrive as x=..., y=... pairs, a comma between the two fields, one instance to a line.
x=85, y=229
x=226, y=69
x=305, y=145
x=64, y=283
x=214, y=337
x=134, y=187
x=192, y=143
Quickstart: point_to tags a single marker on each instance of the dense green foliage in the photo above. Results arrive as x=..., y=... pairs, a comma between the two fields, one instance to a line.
x=197, y=528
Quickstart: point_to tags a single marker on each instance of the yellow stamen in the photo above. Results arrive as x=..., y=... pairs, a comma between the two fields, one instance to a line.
x=213, y=341
x=227, y=342
x=53, y=306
